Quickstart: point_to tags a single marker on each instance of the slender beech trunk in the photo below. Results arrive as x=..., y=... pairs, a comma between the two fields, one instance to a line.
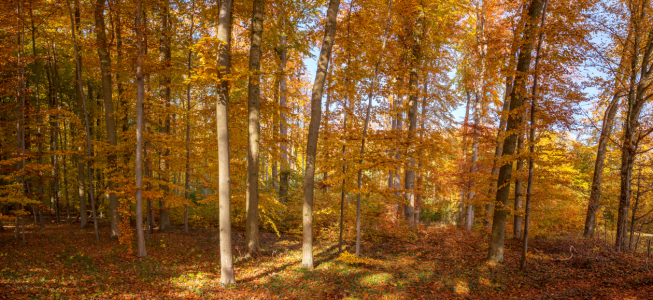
x=346, y=111
x=254, y=128
x=164, y=92
x=190, y=66
x=368, y=110
x=37, y=102
x=479, y=86
x=314, y=130
x=517, y=226
x=284, y=175
x=495, y=251
x=531, y=141
x=413, y=81
x=88, y=132
x=109, y=117
x=637, y=97
x=595, y=192
x=140, y=94
x=418, y=185
x=81, y=193
x=224, y=175
x=462, y=209
x=634, y=213
x=399, y=126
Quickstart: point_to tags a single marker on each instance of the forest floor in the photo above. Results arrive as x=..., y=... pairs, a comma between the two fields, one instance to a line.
x=63, y=262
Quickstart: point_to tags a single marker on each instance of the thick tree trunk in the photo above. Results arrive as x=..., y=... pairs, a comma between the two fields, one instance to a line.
x=634, y=214
x=254, y=129
x=109, y=117
x=222, y=116
x=314, y=129
x=495, y=251
x=140, y=94
x=187, y=175
x=80, y=114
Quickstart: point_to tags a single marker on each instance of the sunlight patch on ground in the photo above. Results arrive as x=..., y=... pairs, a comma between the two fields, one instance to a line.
x=376, y=279
x=461, y=287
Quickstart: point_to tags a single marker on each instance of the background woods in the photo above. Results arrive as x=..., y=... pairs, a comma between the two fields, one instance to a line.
x=349, y=124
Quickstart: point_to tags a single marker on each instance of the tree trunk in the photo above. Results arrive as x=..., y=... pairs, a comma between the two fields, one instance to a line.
x=140, y=94
x=495, y=252
x=187, y=175
x=368, y=110
x=224, y=175
x=462, y=209
x=109, y=117
x=254, y=129
x=283, y=87
x=634, y=213
x=164, y=91
x=517, y=226
x=88, y=132
x=413, y=81
x=314, y=129
x=595, y=192
x=80, y=114
x=531, y=138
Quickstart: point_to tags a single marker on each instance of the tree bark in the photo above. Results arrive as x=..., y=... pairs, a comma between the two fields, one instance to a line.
x=222, y=116
x=283, y=87
x=164, y=91
x=88, y=132
x=495, y=251
x=188, y=89
x=462, y=209
x=517, y=222
x=531, y=137
x=313, y=131
x=80, y=114
x=140, y=94
x=254, y=129
x=595, y=192
x=109, y=117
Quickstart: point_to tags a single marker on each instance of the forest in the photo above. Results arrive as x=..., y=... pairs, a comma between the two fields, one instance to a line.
x=326, y=149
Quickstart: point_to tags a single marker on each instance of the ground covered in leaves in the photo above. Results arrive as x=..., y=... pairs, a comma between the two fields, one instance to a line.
x=63, y=262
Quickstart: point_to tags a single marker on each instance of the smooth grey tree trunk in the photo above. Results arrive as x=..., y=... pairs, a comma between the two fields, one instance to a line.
x=254, y=128
x=314, y=130
x=188, y=108
x=284, y=175
x=497, y=240
x=222, y=116
x=81, y=193
x=462, y=208
x=140, y=94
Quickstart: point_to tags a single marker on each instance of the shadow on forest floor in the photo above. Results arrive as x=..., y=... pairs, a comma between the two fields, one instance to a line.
x=62, y=262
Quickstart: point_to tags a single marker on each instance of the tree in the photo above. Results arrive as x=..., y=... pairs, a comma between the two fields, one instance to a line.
x=222, y=121
x=140, y=94
x=254, y=129
x=314, y=130
x=495, y=251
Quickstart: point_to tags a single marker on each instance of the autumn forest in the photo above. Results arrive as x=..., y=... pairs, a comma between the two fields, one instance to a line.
x=331, y=149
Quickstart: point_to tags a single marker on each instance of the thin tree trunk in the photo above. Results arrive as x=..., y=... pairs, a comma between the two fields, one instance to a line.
x=495, y=251
x=368, y=110
x=109, y=117
x=81, y=193
x=313, y=131
x=88, y=132
x=187, y=177
x=462, y=209
x=517, y=226
x=164, y=91
x=634, y=213
x=283, y=129
x=224, y=175
x=531, y=140
x=254, y=128
x=140, y=94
